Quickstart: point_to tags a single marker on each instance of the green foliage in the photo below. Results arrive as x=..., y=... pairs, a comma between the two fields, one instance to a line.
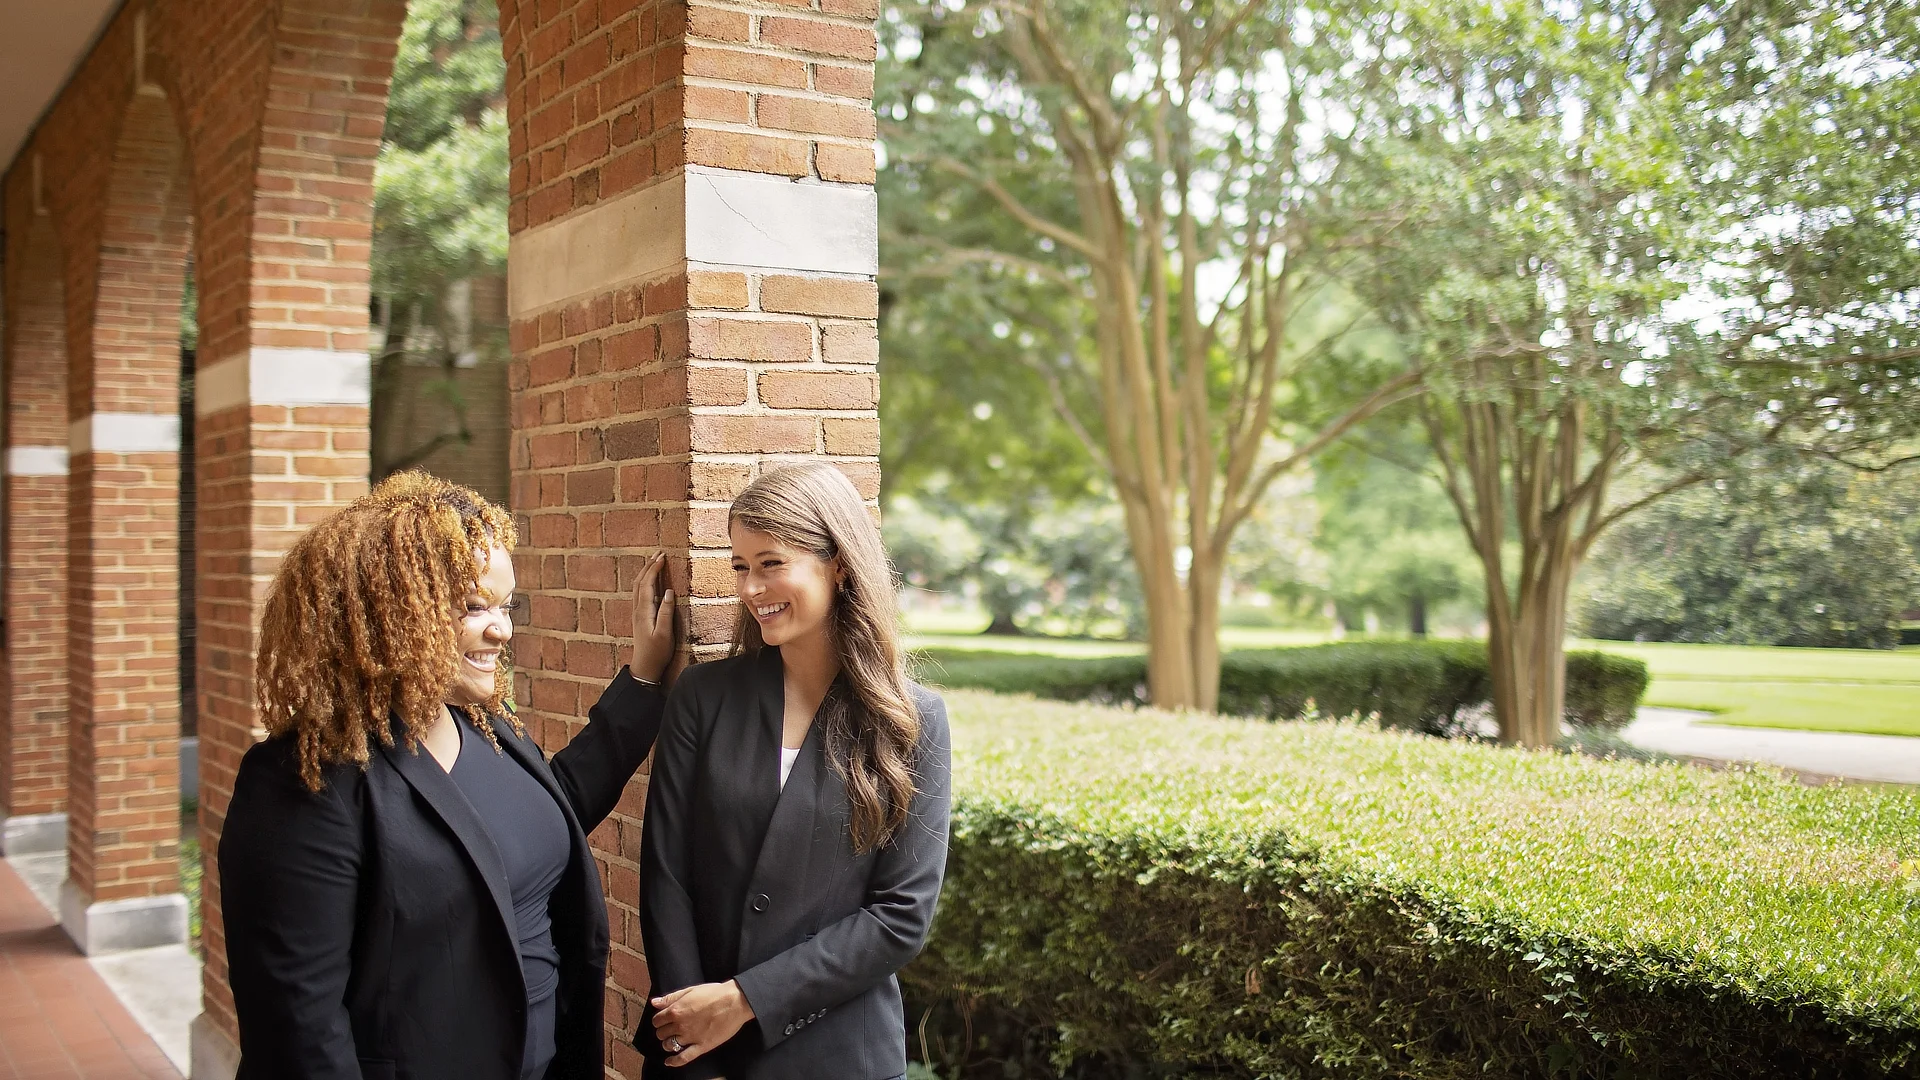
x=191, y=872
x=1604, y=689
x=1141, y=894
x=440, y=213
x=1794, y=553
x=1392, y=540
x=1419, y=685
x=449, y=71
x=1036, y=564
x=440, y=185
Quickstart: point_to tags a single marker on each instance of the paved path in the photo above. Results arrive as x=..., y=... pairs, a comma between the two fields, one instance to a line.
x=58, y=1019
x=159, y=986
x=1883, y=758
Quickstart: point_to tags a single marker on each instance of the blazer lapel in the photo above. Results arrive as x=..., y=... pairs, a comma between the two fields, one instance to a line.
x=438, y=790
x=786, y=851
x=760, y=746
x=793, y=813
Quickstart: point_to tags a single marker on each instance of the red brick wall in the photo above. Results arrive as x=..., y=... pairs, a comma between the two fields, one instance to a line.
x=123, y=523
x=641, y=408
x=33, y=694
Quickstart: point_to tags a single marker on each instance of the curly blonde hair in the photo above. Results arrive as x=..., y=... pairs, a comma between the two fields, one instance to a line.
x=360, y=623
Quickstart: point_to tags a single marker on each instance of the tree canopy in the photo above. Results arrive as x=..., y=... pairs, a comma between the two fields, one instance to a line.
x=1623, y=272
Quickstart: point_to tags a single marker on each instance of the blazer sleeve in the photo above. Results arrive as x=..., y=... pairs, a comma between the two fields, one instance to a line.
x=867, y=947
x=593, y=769
x=290, y=863
x=667, y=925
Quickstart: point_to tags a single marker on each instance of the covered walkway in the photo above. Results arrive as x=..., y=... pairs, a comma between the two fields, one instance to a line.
x=58, y=1019
x=691, y=288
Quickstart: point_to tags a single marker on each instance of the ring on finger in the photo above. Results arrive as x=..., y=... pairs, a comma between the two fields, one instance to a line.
x=674, y=1046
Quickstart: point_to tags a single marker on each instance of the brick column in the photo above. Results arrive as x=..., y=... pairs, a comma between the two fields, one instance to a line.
x=692, y=290
x=33, y=666
x=123, y=781
x=283, y=389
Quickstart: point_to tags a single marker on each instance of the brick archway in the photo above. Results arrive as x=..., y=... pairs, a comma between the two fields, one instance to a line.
x=123, y=338
x=282, y=392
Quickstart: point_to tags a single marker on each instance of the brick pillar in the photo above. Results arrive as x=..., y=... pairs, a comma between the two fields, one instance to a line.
x=283, y=388
x=33, y=664
x=123, y=781
x=692, y=289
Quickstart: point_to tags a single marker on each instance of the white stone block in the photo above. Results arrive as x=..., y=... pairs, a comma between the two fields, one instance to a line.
x=33, y=834
x=714, y=217
x=116, y=925
x=267, y=375
x=125, y=433
x=37, y=461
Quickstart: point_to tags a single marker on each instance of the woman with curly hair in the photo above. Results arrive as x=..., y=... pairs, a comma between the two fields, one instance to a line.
x=796, y=828
x=405, y=877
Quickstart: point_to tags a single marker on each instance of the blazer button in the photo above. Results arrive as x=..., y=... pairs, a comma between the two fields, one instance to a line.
x=789, y=1029
x=762, y=902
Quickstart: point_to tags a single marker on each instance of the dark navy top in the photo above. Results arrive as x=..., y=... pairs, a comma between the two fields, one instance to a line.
x=531, y=834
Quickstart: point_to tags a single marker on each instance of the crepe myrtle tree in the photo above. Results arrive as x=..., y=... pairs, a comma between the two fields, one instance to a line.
x=1651, y=239
x=1171, y=174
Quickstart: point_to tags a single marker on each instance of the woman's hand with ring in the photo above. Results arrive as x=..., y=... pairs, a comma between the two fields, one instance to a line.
x=693, y=1021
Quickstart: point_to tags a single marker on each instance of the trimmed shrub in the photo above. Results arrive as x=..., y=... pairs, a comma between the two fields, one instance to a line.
x=1104, y=680
x=1419, y=685
x=1604, y=690
x=1139, y=894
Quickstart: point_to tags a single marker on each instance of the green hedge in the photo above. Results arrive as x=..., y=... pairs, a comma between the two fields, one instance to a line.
x=1135, y=894
x=1422, y=685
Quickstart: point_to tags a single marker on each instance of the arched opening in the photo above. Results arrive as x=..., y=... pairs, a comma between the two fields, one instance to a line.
x=439, y=311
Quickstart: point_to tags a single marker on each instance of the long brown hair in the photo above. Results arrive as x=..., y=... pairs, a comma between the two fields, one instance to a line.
x=871, y=732
x=360, y=623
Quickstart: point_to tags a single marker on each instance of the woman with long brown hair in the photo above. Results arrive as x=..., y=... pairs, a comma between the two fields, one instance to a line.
x=404, y=875
x=796, y=828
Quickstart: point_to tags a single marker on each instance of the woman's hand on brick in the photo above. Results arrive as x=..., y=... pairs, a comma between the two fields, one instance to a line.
x=653, y=644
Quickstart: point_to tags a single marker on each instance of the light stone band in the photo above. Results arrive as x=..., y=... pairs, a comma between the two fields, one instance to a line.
x=36, y=461
x=267, y=375
x=124, y=433
x=699, y=215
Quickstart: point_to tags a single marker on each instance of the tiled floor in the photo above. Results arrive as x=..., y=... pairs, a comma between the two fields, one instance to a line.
x=58, y=1020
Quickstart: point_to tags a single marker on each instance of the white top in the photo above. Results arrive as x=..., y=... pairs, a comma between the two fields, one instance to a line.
x=787, y=757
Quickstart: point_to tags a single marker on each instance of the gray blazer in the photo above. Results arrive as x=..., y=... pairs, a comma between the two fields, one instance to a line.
x=742, y=879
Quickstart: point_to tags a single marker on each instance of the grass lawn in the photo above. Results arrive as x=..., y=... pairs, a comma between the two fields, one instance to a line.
x=1868, y=691
x=1231, y=637
x=1860, y=690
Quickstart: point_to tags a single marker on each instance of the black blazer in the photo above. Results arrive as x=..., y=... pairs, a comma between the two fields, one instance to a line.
x=741, y=879
x=370, y=930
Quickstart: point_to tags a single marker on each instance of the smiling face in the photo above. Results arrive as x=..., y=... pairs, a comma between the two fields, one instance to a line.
x=482, y=628
x=788, y=590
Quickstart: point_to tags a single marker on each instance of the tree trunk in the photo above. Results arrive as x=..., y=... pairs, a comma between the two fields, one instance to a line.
x=1170, y=681
x=1203, y=584
x=1526, y=646
x=1417, y=616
